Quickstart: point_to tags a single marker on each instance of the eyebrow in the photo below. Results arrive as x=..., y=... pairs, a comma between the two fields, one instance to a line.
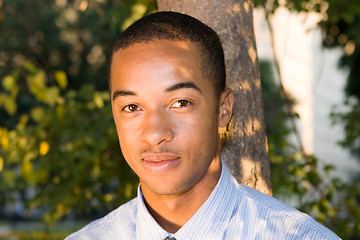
x=184, y=85
x=122, y=93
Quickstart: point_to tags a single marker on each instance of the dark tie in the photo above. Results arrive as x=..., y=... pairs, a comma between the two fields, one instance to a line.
x=170, y=238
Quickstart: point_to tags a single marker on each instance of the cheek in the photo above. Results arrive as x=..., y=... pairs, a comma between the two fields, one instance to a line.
x=129, y=150
x=199, y=133
x=126, y=136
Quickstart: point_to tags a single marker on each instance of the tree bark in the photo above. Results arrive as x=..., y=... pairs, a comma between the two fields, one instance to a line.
x=245, y=152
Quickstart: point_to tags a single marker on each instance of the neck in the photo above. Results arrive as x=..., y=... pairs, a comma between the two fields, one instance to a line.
x=172, y=211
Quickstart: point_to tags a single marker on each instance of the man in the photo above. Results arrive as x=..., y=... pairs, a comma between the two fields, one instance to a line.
x=167, y=84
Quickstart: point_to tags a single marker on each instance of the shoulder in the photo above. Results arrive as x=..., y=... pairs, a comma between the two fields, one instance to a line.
x=248, y=195
x=262, y=215
x=121, y=222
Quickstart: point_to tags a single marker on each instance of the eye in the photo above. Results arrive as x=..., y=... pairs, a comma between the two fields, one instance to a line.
x=131, y=108
x=181, y=103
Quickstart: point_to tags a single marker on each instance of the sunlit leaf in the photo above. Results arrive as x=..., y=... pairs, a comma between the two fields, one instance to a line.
x=52, y=95
x=137, y=11
x=61, y=79
x=30, y=67
x=4, y=141
x=128, y=189
x=8, y=82
x=44, y=148
x=1, y=164
x=36, y=82
x=98, y=100
x=9, y=104
x=37, y=114
x=24, y=119
x=109, y=197
x=26, y=168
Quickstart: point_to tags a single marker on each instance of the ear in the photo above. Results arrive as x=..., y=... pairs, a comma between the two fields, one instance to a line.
x=225, y=107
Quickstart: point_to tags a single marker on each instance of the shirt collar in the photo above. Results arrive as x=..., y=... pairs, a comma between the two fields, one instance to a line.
x=210, y=220
x=146, y=226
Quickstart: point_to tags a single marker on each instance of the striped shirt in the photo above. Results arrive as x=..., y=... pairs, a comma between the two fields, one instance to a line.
x=232, y=211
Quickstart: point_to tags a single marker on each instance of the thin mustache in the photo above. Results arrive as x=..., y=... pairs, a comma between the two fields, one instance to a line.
x=157, y=151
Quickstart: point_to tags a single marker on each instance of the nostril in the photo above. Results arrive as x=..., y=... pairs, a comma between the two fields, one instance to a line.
x=156, y=130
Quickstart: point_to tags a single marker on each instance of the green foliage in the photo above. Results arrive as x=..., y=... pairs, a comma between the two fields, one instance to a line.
x=59, y=151
x=351, y=121
x=65, y=149
x=342, y=30
x=70, y=36
x=329, y=200
x=35, y=235
x=340, y=25
x=301, y=178
x=58, y=147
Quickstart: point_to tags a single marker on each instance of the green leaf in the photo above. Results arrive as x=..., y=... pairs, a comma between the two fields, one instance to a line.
x=36, y=83
x=37, y=114
x=137, y=11
x=39, y=176
x=8, y=82
x=8, y=177
x=60, y=112
x=30, y=67
x=26, y=167
x=51, y=95
x=9, y=103
x=61, y=79
x=1, y=164
x=98, y=100
x=329, y=168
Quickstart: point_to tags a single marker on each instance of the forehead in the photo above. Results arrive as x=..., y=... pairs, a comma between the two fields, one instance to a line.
x=165, y=44
x=170, y=51
x=164, y=59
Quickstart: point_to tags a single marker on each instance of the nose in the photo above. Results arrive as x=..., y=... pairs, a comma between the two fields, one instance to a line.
x=157, y=128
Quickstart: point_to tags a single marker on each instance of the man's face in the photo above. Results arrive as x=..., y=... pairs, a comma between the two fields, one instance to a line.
x=166, y=114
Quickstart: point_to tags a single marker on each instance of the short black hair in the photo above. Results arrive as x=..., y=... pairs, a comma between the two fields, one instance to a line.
x=175, y=26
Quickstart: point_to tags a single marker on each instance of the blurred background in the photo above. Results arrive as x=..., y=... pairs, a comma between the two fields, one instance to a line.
x=60, y=162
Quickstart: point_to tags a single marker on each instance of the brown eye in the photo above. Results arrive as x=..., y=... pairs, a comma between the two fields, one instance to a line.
x=130, y=108
x=181, y=103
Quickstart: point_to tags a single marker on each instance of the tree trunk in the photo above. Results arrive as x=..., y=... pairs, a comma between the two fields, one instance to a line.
x=245, y=152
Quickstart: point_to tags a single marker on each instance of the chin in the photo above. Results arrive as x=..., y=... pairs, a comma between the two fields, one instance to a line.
x=168, y=188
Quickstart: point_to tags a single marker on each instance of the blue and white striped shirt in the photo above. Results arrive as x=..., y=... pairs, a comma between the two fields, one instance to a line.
x=232, y=211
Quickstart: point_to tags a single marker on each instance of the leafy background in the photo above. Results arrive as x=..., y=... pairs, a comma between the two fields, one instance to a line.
x=59, y=155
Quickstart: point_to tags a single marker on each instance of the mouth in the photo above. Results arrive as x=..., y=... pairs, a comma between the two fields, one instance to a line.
x=160, y=162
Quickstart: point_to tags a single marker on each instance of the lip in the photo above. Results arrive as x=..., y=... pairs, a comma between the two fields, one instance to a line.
x=160, y=162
